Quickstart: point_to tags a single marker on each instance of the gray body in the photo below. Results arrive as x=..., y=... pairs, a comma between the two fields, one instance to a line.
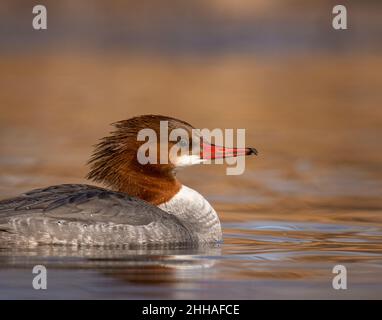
x=76, y=214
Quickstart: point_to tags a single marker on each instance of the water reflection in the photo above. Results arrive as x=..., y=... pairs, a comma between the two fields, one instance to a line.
x=258, y=259
x=139, y=266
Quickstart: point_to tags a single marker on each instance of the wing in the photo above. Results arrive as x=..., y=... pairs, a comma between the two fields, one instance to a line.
x=39, y=199
x=75, y=202
x=70, y=211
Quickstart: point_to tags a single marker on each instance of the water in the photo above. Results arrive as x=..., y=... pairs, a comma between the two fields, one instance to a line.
x=309, y=201
x=281, y=257
x=259, y=259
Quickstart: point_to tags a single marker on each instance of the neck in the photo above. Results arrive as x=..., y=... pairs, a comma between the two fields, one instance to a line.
x=154, y=188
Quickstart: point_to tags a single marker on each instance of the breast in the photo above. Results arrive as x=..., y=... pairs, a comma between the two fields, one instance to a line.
x=196, y=213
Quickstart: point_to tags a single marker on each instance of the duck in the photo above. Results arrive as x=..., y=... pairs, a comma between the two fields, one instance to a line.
x=139, y=204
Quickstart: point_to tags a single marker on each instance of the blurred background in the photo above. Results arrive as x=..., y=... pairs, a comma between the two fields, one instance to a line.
x=308, y=96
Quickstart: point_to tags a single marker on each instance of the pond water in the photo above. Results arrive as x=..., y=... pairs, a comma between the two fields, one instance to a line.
x=311, y=199
x=259, y=259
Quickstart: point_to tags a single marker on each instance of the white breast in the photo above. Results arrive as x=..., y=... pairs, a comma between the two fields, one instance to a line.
x=195, y=211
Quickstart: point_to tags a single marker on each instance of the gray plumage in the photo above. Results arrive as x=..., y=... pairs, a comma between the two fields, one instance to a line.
x=82, y=214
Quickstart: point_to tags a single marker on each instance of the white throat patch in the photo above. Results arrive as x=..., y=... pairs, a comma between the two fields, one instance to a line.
x=188, y=160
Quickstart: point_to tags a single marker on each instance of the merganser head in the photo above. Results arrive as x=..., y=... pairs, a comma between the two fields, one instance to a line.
x=115, y=162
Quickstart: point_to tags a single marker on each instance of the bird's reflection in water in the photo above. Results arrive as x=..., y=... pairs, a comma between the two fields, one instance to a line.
x=152, y=266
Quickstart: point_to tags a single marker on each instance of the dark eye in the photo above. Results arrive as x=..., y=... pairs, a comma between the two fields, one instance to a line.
x=183, y=143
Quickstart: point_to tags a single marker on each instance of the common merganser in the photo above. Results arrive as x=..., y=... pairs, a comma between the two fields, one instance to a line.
x=144, y=205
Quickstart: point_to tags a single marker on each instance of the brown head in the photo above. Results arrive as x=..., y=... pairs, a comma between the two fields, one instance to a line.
x=115, y=161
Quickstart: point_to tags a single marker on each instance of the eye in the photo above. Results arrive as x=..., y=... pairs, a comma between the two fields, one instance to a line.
x=183, y=143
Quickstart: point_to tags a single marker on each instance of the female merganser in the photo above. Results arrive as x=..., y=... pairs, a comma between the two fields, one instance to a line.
x=146, y=204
